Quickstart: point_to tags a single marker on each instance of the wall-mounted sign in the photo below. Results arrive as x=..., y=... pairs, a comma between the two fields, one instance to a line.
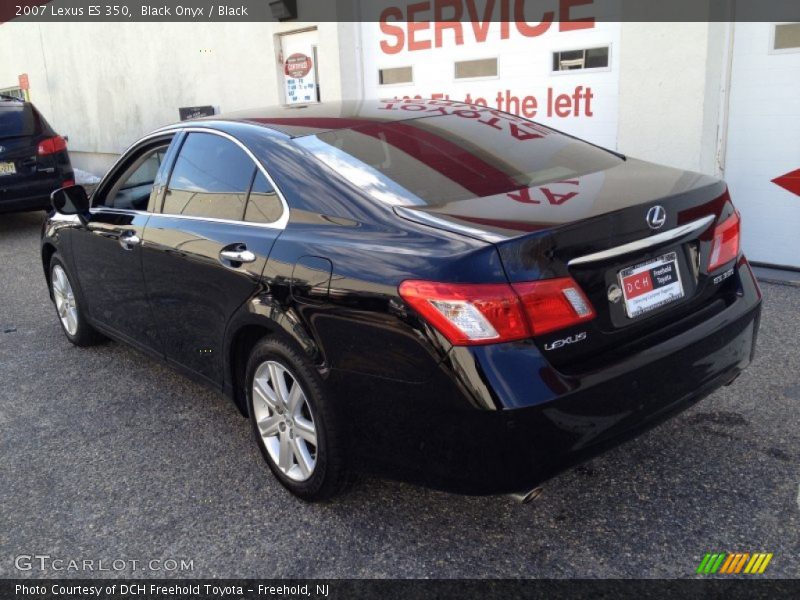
x=297, y=66
x=582, y=102
x=195, y=112
x=300, y=67
x=24, y=84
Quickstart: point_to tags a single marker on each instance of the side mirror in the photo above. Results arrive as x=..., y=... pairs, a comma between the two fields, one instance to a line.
x=71, y=200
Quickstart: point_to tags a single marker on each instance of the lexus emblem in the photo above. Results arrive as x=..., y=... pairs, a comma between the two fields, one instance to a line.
x=656, y=217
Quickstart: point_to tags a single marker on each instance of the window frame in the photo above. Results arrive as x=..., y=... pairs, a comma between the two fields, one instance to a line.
x=772, y=31
x=250, y=194
x=399, y=83
x=137, y=161
x=605, y=69
x=496, y=60
x=124, y=162
x=247, y=191
x=177, y=135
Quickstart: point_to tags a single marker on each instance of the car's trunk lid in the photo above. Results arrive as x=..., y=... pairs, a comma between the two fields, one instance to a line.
x=595, y=229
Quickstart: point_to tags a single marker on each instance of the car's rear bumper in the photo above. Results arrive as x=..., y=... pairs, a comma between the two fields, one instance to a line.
x=12, y=204
x=550, y=421
x=30, y=195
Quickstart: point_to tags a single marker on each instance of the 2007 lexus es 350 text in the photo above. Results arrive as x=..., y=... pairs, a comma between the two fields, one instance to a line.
x=428, y=290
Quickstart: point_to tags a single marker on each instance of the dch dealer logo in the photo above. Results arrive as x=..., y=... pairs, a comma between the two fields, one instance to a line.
x=734, y=563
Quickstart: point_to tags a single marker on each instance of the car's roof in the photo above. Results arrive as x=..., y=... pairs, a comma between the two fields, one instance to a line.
x=312, y=119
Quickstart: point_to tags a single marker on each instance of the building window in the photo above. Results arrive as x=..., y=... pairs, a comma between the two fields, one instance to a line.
x=484, y=67
x=588, y=58
x=787, y=36
x=395, y=75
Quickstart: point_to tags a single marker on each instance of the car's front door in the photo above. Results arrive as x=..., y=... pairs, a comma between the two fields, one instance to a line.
x=205, y=249
x=107, y=251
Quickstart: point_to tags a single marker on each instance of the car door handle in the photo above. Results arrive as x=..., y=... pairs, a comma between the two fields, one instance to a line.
x=237, y=256
x=129, y=239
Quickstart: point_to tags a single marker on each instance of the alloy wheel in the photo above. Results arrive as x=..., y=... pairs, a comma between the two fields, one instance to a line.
x=284, y=419
x=65, y=300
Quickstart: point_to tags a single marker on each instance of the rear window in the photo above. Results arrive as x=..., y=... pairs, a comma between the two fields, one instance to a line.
x=468, y=154
x=17, y=120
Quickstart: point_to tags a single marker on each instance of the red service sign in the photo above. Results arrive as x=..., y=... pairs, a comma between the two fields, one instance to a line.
x=297, y=66
x=24, y=84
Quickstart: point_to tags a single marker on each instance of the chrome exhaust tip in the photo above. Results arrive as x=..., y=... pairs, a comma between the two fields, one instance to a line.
x=527, y=497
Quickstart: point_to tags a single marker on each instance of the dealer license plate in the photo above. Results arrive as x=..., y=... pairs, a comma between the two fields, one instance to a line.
x=651, y=284
x=7, y=168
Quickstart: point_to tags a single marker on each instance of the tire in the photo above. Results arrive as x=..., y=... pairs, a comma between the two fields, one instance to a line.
x=296, y=429
x=70, y=316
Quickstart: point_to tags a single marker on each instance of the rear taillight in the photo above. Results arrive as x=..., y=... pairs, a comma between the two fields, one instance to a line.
x=477, y=313
x=67, y=183
x=553, y=304
x=468, y=313
x=52, y=145
x=725, y=246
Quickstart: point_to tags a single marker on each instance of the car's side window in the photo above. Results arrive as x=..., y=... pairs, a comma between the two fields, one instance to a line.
x=263, y=204
x=133, y=188
x=210, y=179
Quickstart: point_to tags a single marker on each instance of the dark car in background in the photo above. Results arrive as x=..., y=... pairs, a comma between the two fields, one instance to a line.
x=429, y=290
x=33, y=158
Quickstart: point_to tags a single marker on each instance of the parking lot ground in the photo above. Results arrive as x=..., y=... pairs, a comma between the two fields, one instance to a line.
x=107, y=455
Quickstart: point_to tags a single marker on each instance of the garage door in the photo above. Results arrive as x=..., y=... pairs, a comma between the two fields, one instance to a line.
x=763, y=151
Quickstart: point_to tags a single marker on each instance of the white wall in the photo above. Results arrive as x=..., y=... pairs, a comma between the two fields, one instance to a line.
x=764, y=144
x=671, y=76
x=105, y=85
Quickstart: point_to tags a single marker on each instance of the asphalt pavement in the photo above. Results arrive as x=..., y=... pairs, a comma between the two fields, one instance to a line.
x=106, y=455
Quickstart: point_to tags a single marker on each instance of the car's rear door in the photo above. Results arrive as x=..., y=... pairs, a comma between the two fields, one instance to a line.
x=107, y=249
x=205, y=249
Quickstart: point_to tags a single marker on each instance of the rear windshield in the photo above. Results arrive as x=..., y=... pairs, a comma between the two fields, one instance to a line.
x=433, y=161
x=17, y=120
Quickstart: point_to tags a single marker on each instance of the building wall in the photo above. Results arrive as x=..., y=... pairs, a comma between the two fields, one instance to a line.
x=105, y=85
x=524, y=73
x=763, y=144
x=671, y=79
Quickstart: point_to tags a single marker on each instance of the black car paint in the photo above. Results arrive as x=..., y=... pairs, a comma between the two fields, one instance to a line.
x=481, y=419
x=37, y=176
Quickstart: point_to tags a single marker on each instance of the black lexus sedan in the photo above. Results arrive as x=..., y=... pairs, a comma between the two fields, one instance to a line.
x=428, y=290
x=33, y=158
